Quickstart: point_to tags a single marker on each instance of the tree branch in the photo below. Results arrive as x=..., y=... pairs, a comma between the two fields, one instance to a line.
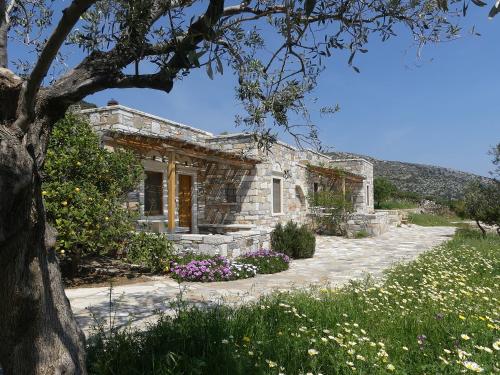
x=70, y=17
x=103, y=70
x=4, y=28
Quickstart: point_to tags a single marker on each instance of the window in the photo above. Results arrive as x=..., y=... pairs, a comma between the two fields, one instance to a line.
x=153, y=193
x=276, y=196
x=230, y=193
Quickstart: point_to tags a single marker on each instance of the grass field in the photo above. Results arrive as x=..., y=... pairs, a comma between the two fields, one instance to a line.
x=430, y=220
x=436, y=315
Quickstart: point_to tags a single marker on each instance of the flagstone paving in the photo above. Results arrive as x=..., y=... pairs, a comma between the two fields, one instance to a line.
x=337, y=260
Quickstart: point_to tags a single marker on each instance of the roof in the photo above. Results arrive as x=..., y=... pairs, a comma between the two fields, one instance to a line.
x=147, y=141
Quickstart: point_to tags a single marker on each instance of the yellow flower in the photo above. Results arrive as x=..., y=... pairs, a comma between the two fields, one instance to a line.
x=391, y=367
x=246, y=338
x=461, y=317
x=464, y=337
x=64, y=203
x=44, y=193
x=77, y=189
x=78, y=163
x=312, y=352
x=405, y=348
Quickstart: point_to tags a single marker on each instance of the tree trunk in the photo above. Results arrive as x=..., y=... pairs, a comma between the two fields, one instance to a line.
x=481, y=227
x=38, y=332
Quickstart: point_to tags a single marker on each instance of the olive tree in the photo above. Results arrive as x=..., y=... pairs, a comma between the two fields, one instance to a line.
x=481, y=203
x=276, y=49
x=482, y=200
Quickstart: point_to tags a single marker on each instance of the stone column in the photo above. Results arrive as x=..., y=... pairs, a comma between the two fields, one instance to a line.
x=171, y=192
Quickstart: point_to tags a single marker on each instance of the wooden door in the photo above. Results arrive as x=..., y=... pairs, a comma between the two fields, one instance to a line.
x=185, y=186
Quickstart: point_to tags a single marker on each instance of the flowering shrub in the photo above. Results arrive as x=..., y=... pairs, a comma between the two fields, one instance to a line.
x=266, y=261
x=217, y=268
x=153, y=250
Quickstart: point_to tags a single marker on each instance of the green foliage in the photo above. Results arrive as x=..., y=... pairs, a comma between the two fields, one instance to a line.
x=416, y=321
x=431, y=220
x=482, y=203
x=84, y=190
x=383, y=189
x=468, y=233
x=330, y=210
x=495, y=153
x=294, y=241
x=361, y=234
x=153, y=250
x=395, y=204
x=388, y=197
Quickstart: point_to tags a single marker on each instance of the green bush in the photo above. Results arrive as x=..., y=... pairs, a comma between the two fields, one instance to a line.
x=361, y=234
x=152, y=250
x=84, y=190
x=294, y=241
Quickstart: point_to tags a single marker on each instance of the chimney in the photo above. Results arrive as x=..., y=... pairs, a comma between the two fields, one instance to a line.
x=112, y=102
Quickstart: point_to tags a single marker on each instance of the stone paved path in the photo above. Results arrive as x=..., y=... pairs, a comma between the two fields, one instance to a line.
x=336, y=261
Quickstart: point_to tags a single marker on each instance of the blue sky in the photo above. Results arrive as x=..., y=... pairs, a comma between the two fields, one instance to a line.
x=441, y=109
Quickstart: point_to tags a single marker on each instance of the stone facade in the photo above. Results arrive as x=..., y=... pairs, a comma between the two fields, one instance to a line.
x=245, y=199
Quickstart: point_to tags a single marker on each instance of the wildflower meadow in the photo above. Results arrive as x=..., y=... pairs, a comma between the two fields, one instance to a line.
x=436, y=315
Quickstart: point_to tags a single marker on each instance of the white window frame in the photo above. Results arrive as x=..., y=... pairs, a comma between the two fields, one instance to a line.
x=281, y=196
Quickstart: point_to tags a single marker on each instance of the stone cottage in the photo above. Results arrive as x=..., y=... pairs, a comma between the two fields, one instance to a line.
x=221, y=193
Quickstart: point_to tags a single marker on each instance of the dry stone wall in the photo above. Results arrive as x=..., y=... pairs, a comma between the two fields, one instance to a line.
x=229, y=245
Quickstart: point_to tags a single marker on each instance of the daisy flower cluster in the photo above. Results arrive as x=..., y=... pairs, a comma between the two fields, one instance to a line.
x=438, y=314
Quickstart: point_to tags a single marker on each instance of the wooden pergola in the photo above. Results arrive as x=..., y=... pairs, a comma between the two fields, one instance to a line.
x=336, y=174
x=170, y=147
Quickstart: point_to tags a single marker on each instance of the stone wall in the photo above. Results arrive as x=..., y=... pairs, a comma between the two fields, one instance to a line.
x=229, y=245
x=119, y=117
x=397, y=217
x=372, y=224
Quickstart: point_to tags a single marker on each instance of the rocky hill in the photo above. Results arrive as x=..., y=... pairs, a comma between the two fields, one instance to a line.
x=426, y=180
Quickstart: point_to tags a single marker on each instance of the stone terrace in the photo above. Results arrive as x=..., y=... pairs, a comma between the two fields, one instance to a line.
x=337, y=260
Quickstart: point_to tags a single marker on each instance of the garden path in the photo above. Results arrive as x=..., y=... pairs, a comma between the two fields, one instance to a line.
x=337, y=260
